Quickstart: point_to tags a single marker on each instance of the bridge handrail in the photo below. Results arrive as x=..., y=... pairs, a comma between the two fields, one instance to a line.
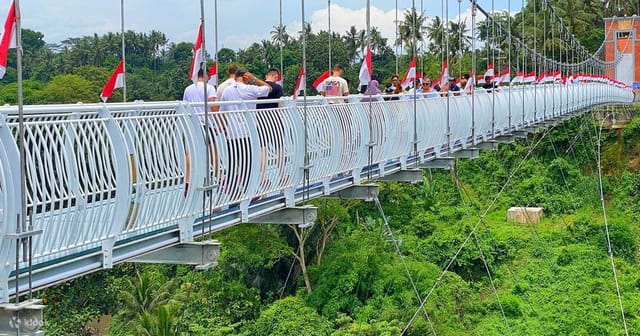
x=102, y=174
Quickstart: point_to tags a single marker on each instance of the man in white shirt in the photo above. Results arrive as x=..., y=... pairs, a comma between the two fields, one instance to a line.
x=231, y=73
x=335, y=85
x=194, y=93
x=246, y=87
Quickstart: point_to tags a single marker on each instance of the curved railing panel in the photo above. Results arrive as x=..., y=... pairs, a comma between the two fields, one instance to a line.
x=159, y=157
x=99, y=174
x=74, y=180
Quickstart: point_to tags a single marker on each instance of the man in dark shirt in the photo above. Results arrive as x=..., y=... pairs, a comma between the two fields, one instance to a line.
x=453, y=87
x=276, y=90
x=272, y=123
x=489, y=83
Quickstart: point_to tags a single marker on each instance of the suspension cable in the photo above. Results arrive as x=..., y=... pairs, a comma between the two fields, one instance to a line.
x=474, y=228
x=606, y=226
x=477, y=242
x=404, y=263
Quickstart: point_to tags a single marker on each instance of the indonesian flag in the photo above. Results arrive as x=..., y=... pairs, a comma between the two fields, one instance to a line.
x=489, y=72
x=410, y=75
x=519, y=78
x=557, y=76
x=318, y=82
x=115, y=81
x=300, y=83
x=419, y=76
x=366, y=70
x=444, y=74
x=213, y=74
x=197, y=56
x=530, y=77
x=504, y=78
x=470, y=84
x=8, y=38
x=481, y=80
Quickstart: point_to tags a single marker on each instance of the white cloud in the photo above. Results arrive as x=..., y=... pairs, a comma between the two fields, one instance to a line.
x=343, y=18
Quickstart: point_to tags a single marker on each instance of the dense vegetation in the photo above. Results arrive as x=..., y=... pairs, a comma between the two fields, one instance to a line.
x=551, y=278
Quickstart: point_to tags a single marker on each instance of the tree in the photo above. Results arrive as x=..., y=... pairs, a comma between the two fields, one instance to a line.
x=435, y=33
x=279, y=36
x=351, y=42
x=410, y=29
x=163, y=321
x=226, y=55
x=290, y=317
x=64, y=89
x=144, y=294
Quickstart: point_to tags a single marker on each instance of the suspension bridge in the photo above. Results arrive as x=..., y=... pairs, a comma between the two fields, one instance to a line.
x=94, y=185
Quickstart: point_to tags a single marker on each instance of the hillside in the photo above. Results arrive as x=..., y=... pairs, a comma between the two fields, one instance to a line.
x=550, y=278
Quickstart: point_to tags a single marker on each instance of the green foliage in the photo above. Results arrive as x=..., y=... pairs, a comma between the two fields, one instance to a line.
x=290, y=317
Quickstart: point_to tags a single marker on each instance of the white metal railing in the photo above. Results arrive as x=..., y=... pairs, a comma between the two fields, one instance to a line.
x=98, y=174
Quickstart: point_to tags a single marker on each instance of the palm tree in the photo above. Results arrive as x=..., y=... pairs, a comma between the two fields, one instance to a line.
x=162, y=322
x=435, y=32
x=378, y=43
x=144, y=294
x=279, y=36
x=459, y=41
x=410, y=29
x=351, y=42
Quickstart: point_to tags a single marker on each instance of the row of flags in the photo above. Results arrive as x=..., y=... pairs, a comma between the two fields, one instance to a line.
x=117, y=80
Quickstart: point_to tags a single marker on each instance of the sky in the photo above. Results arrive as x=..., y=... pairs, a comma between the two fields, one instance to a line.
x=240, y=22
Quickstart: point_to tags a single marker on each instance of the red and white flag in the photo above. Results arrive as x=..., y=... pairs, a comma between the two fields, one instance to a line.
x=489, y=73
x=318, y=82
x=444, y=74
x=197, y=56
x=470, y=84
x=481, y=80
x=530, y=77
x=300, y=83
x=519, y=78
x=8, y=38
x=366, y=70
x=213, y=74
x=410, y=75
x=557, y=76
x=115, y=81
x=505, y=77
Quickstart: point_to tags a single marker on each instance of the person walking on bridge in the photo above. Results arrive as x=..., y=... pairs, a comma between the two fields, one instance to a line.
x=246, y=87
x=335, y=85
x=194, y=94
x=231, y=78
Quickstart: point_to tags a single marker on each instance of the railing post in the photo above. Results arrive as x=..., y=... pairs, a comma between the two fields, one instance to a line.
x=196, y=149
x=297, y=137
x=10, y=196
x=122, y=184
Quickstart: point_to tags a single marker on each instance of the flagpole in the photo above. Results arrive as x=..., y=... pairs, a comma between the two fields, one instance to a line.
x=304, y=111
x=21, y=225
x=329, y=29
x=124, y=63
x=396, y=42
x=205, y=73
x=215, y=44
x=281, y=49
